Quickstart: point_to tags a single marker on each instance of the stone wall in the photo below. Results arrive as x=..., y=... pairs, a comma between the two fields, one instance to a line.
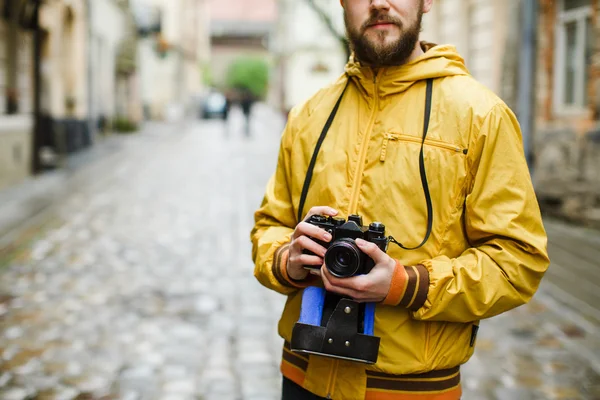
x=566, y=174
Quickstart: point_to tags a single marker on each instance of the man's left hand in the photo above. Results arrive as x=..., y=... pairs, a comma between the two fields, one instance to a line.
x=370, y=288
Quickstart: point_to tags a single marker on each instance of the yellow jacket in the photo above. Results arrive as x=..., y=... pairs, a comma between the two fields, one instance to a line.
x=487, y=251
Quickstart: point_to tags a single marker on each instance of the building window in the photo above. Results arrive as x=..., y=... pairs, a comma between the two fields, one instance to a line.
x=573, y=55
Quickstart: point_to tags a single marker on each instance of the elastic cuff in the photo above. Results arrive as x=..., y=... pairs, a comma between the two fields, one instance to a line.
x=398, y=286
x=417, y=287
x=279, y=268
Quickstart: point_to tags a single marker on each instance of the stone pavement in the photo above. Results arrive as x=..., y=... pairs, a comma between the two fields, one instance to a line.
x=140, y=286
x=22, y=204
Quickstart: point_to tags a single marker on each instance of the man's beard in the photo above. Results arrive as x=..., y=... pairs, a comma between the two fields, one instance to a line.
x=379, y=55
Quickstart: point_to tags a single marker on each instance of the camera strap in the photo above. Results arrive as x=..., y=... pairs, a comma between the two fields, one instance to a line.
x=428, y=97
x=309, y=173
x=313, y=160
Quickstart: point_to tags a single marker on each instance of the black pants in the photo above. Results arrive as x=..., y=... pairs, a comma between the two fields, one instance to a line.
x=291, y=391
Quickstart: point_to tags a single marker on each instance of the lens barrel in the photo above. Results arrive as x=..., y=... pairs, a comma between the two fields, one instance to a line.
x=343, y=258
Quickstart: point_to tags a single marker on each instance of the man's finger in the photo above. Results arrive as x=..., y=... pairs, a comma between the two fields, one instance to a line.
x=355, y=283
x=372, y=251
x=312, y=231
x=307, y=243
x=353, y=294
x=321, y=210
x=305, y=259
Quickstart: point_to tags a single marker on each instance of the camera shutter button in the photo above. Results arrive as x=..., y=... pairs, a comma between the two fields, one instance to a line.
x=377, y=227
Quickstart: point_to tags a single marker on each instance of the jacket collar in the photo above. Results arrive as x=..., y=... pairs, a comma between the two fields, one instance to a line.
x=436, y=62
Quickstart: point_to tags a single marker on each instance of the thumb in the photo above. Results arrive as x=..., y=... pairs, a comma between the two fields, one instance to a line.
x=372, y=251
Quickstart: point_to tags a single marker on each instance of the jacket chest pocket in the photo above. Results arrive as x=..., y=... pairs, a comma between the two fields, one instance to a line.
x=445, y=169
x=393, y=137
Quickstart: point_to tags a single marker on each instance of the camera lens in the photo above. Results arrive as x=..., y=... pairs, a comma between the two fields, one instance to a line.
x=343, y=258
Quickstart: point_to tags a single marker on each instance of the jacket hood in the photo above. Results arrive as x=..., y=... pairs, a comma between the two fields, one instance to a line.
x=438, y=61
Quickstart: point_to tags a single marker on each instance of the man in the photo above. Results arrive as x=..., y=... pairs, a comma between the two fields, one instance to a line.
x=246, y=102
x=486, y=252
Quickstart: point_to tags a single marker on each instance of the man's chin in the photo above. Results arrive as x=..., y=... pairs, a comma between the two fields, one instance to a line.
x=376, y=39
x=382, y=46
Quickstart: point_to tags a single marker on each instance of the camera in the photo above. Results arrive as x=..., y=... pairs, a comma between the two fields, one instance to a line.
x=343, y=257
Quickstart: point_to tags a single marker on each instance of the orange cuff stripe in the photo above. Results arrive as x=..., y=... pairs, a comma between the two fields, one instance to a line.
x=416, y=283
x=410, y=286
x=423, y=288
x=275, y=267
x=398, y=286
x=417, y=287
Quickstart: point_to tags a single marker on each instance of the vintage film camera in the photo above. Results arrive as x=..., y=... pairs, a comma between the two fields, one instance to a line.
x=331, y=325
x=343, y=258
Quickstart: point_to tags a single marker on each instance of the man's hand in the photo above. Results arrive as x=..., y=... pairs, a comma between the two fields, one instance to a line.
x=301, y=240
x=370, y=288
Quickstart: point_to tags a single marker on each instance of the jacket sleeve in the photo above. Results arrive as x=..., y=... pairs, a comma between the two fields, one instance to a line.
x=274, y=224
x=508, y=255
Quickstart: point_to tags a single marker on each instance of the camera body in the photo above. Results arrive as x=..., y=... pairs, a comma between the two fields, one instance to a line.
x=343, y=257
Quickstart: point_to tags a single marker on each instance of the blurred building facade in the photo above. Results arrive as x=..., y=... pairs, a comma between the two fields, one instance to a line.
x=62, y=123
x=78, y=52
x=565, y=138
x=17, y=25
x=478, y=29
x=113, y=61
x=70, y=69
x=568, y=108
x=172, y=48
x=241, y=28
x=309, y=53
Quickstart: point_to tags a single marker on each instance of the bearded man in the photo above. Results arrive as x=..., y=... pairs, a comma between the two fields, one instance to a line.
x=404, y=120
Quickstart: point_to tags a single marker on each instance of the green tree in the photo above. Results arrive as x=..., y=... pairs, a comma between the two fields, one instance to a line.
x=249, y=73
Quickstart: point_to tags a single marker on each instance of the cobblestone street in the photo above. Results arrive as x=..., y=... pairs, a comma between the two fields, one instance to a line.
x=140, y=286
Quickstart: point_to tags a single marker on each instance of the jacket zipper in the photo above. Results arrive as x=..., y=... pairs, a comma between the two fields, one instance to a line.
x=407, y=138
x=354, y=197
x=363, y=151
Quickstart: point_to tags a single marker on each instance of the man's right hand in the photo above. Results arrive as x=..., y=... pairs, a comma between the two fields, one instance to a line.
x=301, y=240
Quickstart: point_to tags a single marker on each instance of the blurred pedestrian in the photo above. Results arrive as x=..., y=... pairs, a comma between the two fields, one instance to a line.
x=227, y=107
x=405, y=119
x=246, y=102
